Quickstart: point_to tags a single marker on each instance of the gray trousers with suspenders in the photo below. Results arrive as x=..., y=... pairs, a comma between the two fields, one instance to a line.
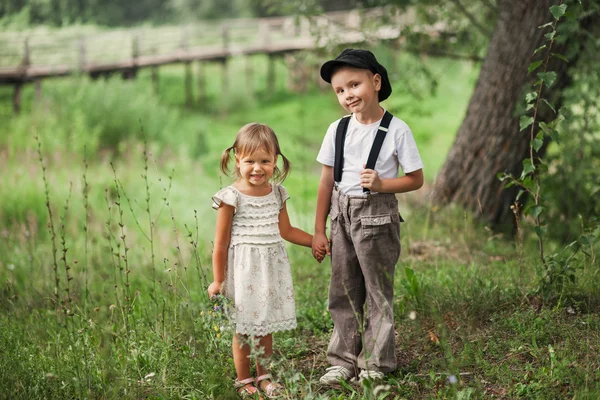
x=365, y=246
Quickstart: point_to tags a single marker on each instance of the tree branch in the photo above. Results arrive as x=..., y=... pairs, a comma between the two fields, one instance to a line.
x=482, y=29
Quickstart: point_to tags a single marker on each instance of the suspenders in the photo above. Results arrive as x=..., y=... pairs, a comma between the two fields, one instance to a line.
x=340, y=139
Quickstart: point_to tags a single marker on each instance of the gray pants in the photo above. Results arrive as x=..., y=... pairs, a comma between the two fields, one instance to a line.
x=365, y=246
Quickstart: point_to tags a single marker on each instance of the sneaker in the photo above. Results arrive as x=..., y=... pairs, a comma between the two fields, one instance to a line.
x=366, y=374
x=335, y=374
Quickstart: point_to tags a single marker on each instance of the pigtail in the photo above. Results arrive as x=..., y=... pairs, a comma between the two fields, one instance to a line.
x=225, y=159
x=287, y=166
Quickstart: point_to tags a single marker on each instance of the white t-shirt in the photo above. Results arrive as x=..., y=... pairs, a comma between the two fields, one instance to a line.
x=398, y=150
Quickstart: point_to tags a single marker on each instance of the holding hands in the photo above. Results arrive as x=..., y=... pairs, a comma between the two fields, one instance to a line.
x=320, y=247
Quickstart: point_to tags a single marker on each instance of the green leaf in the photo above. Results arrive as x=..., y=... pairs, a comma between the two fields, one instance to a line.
x=531, y=96
x=528, y=168
x=524, y=122
x=521, y=192
x=549, y=105
x=560, y=56
x=545, y=25
x=537, y=144
x=550, y=35
x=547, y=77
x=536, y=211
x=502, y=176
x=558, y=11
x=541, y=47
x=554, y=135
x=540, y=231
x=534, y=65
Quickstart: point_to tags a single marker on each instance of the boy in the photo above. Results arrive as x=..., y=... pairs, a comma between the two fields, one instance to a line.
x=357, y=188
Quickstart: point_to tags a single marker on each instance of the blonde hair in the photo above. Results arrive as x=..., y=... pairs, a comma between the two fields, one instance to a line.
x=250, y=138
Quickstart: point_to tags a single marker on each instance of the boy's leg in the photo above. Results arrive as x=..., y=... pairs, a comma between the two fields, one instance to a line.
x=376, y=236
x=346, y=291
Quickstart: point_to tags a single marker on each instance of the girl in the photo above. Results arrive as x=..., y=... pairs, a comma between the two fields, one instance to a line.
x=250, y=264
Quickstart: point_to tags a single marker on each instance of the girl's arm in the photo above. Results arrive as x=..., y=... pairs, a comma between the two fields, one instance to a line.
x=320, y=242
x=291, y=234
x=221, y=246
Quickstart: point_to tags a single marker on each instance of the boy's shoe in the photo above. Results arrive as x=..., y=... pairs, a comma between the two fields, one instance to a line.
x=336, y=374
x=366, y=374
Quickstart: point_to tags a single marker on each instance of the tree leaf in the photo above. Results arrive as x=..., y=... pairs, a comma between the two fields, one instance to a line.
x=531, y=96
x=549, y=105
x=560, y=56
x=524, y=122
x=550, y=35
x=539, y=48
x=537, y=144
x=558, y=11
x=547, y=77
x=545, y=25
x=521, y=192
x=528, y=167
x=540, y=231
x=536, y=211
x=534, y=65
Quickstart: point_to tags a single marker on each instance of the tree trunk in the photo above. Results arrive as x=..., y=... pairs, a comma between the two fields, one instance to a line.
x=489, y=141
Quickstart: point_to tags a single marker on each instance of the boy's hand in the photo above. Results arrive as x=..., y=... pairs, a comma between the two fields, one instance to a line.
x=320, y=247
x=369, y=179
x=214, y=289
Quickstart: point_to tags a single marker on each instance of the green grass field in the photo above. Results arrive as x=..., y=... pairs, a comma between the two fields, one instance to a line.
x=108, y=298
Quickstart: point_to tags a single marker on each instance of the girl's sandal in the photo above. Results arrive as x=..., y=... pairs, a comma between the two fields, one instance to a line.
x=246, y=389
x=272, y=390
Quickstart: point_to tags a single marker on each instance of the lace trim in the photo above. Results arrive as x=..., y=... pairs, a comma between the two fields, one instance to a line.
x=257, y=214
x=254, y=241
x=257, y=204
x=255, y=225
x=245, y=328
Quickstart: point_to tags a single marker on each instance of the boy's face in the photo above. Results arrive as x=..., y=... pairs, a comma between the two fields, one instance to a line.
x=357, y=89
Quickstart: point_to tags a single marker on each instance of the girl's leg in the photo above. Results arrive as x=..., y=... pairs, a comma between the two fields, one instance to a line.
x=266, y=343
x=271, y=389
x=241, y=353
x=241, y=359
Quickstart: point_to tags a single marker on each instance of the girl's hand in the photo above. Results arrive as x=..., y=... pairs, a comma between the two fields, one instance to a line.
x=214, y=289
x=369, y=179
x=320, y=247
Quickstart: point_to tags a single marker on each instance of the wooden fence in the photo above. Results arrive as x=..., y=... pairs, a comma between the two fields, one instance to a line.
x=33, y=56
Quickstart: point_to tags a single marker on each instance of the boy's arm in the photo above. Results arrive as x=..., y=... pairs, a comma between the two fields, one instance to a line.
x=407, y=183
x=291, y=234
x=323, y=203
x=221, y=247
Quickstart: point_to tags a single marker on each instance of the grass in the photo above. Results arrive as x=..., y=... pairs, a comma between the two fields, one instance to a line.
x=133, y=247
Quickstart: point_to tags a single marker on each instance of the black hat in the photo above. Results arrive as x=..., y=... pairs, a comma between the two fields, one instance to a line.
x=359, y=59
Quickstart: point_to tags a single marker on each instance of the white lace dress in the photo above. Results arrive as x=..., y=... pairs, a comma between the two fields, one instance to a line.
x=258, y=277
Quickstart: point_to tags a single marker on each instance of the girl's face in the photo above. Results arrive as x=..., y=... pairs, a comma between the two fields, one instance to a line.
x=256, y=168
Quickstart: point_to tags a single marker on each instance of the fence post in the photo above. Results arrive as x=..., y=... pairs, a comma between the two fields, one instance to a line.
x=82, y=55
x=225, y=73
x=23, y=72
x=201, y=86
x=135, y=52
x=189, y=97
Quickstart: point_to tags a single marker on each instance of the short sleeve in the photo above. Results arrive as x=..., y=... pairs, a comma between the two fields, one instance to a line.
x=326, y=154
x=282, y=195
x=227, y=196
x=408, y=154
